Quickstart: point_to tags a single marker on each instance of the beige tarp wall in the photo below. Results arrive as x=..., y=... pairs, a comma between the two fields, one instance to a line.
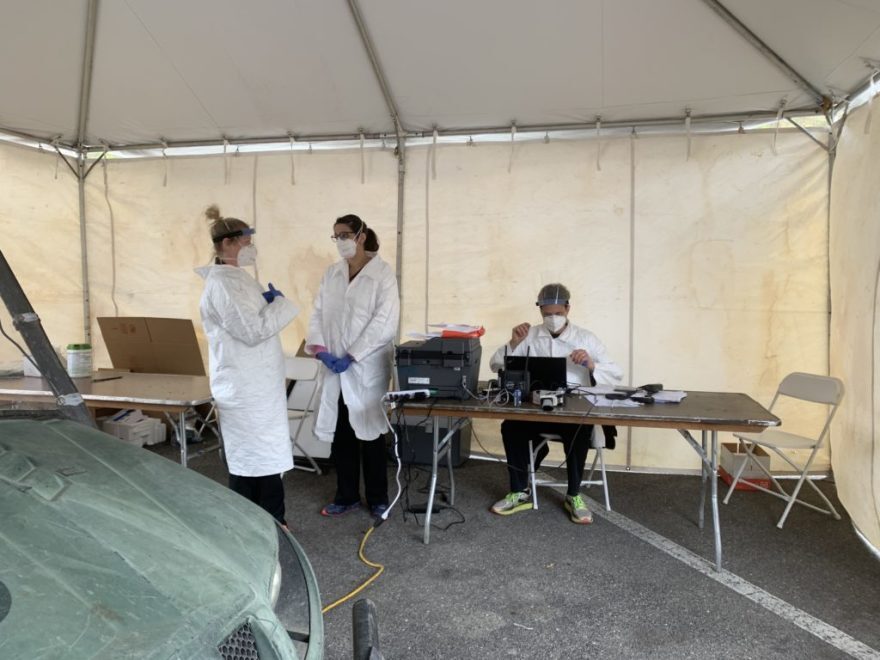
x=730, y=247
x=855, y=257
x=39, y=225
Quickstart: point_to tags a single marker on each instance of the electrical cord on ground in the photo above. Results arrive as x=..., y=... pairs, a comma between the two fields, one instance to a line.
x=380, y=568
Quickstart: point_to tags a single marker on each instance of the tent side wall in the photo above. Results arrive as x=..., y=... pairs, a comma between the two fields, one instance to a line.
x=39, y=223
x=855, y=260
x=729, y=281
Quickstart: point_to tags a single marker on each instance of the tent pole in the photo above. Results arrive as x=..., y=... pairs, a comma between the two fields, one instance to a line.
x=84, y=252
x=401, y=187
x=81, y=173
x=399, y=130
x=821, y=99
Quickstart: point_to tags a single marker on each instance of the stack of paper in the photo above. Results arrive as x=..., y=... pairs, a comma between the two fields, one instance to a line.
x=669, y=396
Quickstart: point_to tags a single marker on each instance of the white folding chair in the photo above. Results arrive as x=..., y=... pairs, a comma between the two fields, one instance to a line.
x=303, y=371
x=597, y=442
x=805, y=387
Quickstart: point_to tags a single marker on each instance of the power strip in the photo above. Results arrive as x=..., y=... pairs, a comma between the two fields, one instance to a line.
x=409, y=395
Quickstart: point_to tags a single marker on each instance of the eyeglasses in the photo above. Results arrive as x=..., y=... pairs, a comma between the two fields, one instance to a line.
x=344, y=236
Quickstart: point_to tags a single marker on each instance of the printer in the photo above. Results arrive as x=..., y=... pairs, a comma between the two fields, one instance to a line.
x=449, y=365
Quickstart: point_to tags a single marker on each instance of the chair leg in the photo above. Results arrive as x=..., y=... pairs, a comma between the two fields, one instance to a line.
x=739, y=472
x=307, y=456
x=601, y=453
x=532, y=476
x=593, y=467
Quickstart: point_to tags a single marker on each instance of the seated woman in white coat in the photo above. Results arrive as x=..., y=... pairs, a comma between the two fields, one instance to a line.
x=246, y=365
x=351, y=333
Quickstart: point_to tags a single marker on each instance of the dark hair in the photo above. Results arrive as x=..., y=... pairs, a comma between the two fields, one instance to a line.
x=371, y=244
x=553, y=294
x=222, y=227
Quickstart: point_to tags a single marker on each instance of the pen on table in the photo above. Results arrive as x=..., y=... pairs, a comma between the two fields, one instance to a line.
x=101, y=380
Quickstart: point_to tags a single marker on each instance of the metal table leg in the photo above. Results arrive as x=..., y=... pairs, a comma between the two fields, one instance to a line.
x=181, y=436
x=703, y=471
x=716, y=523
x=449, y=462
x=434, y=460
x=709, y=468
x=442, y=447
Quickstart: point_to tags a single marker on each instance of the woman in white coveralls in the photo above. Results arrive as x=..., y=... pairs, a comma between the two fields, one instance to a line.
x=242, y=323
x=351, y=333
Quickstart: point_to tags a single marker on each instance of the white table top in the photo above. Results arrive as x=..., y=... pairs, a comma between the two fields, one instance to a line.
x=119, y=387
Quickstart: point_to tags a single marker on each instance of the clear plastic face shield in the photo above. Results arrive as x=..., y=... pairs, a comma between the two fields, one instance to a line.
x=554, y=309
x=247, y=253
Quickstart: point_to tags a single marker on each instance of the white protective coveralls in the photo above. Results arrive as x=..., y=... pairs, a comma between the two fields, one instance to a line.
x=359, y=319
x=540, y=343
x=246, y=367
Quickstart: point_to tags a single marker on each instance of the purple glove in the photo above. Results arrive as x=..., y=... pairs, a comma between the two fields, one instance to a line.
x=328, y=360
x=342, y=364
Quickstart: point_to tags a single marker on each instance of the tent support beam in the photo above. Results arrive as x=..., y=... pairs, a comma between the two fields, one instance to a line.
x=822, y=100
x=674, y=122
x=85, y=92
x=803, y=130
x=400, y=151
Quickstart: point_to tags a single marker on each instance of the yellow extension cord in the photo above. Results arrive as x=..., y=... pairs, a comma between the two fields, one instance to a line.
x=366, y=582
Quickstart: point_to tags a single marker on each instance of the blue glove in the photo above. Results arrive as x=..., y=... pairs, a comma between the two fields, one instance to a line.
x=342, y=364
x=328, y=360
x=272, y=293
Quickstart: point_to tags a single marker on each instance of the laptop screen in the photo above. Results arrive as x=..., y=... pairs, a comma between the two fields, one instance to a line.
x=545, y=373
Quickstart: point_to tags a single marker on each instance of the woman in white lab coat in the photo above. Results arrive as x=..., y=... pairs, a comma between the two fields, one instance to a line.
x=246, y=363
x=351, y=333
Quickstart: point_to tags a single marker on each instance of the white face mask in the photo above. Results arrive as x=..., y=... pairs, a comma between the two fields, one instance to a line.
x=555, y=323
x=347, y=248
x=247, y=255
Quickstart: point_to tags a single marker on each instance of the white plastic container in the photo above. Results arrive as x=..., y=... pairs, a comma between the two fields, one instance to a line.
x=133, y=427
x=79, y=360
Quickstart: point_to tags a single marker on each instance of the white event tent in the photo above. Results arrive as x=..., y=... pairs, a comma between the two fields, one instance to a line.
x=702, y=174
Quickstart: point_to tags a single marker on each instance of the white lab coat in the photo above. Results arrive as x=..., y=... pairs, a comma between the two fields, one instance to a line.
x=540, y=343
x=359, y=319
x=246, y=367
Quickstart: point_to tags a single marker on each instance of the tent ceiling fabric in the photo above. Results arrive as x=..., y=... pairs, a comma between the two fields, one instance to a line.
x=209, y=69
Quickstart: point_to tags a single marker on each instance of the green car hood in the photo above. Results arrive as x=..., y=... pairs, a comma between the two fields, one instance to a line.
x=111, y=551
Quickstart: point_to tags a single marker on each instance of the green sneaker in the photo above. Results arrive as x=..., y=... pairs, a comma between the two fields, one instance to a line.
x=512, y=503
x=577, y=510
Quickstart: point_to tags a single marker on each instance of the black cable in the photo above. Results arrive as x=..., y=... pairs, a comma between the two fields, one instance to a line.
x=15, y=343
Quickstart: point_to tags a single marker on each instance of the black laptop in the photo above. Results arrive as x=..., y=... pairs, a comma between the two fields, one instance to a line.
x=544, y=373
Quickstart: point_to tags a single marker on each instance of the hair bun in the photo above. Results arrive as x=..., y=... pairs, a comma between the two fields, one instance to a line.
x=213, y=212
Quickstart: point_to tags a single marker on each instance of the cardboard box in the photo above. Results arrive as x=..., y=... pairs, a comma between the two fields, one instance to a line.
x=732, y=457
x=152, y=345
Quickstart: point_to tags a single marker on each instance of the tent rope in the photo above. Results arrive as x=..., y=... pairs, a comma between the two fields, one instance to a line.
x=165, y=160
x=687, y=130
x=434, y=155
x=512, y=146
x=292, y=163
x=225, y=161
x=778, y=121
x=363, y=164
x=871, y=94
x=112, y=233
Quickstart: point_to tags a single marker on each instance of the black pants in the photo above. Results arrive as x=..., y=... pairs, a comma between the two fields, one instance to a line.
x=267, y=492
x=348, y=453
x=516, y=436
